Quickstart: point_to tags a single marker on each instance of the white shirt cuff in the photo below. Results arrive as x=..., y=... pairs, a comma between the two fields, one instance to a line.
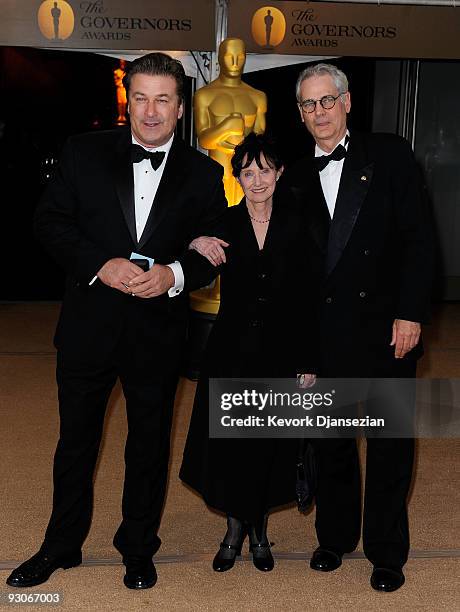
x=178, y=279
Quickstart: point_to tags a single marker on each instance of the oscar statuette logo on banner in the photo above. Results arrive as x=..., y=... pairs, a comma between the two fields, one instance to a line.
x=268, y=27
x=56, y=19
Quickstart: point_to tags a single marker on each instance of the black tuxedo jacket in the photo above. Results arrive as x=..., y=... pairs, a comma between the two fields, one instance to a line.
x=86, y=217
x=374, y=259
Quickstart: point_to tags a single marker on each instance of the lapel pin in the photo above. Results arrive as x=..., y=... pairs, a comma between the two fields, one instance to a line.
x=364, y=177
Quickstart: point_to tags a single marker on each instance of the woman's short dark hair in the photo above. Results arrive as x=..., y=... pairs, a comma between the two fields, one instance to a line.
x=157, y=64
x=252, y=147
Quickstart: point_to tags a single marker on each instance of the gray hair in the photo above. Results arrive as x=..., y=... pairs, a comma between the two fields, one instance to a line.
x=339, y=77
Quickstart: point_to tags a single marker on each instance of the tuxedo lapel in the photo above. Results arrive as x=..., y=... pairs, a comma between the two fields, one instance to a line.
x=170, y=186
x=320, y=218
x=354, y=185
x=124, y=181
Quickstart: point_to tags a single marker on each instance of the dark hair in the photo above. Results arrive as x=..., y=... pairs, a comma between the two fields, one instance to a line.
x=253, y=146
x=157, y=64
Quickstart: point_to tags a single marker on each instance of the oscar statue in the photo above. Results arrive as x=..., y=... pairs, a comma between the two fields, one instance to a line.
x=226, y=111
x=118, y=75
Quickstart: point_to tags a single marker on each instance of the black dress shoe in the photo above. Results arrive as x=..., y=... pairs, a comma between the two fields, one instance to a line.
x=386, y=579
x=262, y=557
x=39, y=568
x=140, y=573
x=325, y=560
x=225, y=557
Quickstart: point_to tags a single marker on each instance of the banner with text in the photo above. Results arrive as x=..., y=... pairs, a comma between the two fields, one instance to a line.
x=323, y=28
x=108, y=24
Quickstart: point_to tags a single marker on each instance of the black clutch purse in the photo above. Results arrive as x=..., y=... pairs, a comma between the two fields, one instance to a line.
x=306, y=476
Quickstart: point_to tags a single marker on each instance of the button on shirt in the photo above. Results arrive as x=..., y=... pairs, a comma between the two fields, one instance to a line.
x=330, y=177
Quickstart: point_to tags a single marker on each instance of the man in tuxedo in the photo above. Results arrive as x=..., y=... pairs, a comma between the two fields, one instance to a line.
x=119, y=196
x=369, y=231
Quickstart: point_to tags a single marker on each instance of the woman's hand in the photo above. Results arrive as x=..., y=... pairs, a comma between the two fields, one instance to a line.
x=306, y=380
x=211, y=248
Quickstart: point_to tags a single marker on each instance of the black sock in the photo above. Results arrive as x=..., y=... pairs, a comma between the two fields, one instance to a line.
x=258, y=532
x=234, y=533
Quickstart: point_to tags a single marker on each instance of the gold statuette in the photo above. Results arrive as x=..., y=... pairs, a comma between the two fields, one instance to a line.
x=227, y=110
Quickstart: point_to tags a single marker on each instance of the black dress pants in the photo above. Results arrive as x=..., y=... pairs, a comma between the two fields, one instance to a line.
x=84, y=389
x=389, y=466
x=338, y=501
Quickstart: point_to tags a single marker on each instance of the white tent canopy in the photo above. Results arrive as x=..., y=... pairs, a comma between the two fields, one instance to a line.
x=189, y=59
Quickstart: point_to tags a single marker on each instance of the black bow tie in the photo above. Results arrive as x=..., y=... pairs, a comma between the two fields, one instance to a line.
x=337, y=154
x=138, y=153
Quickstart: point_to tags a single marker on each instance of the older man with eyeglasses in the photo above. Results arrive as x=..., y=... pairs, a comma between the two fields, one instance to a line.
x=369, y=229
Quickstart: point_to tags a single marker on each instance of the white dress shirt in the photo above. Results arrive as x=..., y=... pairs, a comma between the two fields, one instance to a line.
x=330, y=176
x=146, y=183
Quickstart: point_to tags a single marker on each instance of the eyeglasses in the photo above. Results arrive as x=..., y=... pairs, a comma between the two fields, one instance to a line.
x=327, y=102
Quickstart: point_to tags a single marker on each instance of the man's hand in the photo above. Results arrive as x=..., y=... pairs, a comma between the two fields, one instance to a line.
x=211, y=248
x=158, y=280
x=117, y=273
x=406, y=335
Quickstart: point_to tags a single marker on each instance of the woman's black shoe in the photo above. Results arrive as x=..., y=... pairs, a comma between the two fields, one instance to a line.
x=260, y=546
x=225, y=557
x=262, y=557
x=231, y=546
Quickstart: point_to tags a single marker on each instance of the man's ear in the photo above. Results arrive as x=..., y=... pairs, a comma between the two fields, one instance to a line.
x=301, y=113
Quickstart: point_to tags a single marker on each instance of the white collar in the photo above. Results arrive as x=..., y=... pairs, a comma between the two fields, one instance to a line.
x=319, y=151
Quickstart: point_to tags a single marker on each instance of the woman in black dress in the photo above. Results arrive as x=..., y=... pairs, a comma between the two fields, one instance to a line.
x=264, y=328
